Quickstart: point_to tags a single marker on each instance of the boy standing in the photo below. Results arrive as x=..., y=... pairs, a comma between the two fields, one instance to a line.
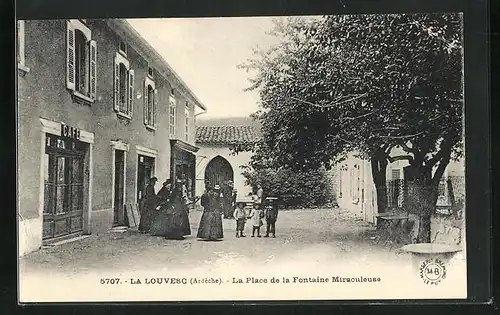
x=256, y=216
x=271, y=215
x=240, y=215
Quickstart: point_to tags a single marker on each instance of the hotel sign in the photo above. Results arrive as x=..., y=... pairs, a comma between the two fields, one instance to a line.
x=70, y=132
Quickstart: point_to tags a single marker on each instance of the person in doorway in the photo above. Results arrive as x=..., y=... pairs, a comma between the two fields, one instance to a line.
x=271, y=215
x=159, y=226
x=149, y=204
x=227, y=199
x=240, y=215
x=256, y=216
x=175, y=225
x=210, y=228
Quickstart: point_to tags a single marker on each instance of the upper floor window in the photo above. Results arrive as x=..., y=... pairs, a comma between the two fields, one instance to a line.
x=149, y=103
x=186, y=124
x=122, y=48
x=150, y=72
x=123, y=87
x=172, y=92
x=172, y=113
x=81, y=63
x=20, y=47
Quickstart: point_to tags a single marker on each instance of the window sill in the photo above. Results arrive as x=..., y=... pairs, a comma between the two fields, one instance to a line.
x=123, y=115
x=83, y=98
x=23, y=68
x=149, y=127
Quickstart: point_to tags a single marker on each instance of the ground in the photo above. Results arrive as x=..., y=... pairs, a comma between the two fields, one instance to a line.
x=309, y=242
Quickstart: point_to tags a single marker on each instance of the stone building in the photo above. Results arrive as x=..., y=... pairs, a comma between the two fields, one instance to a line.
x=216, y=163
x=99, y=113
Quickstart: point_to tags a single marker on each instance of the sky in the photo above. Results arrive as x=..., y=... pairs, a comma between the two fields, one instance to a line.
x=205, y=53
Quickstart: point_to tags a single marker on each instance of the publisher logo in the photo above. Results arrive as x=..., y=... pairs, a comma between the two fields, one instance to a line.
x=432, y=271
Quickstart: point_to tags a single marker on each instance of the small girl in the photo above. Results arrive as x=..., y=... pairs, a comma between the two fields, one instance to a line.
x=256, y=216
x=240, y=215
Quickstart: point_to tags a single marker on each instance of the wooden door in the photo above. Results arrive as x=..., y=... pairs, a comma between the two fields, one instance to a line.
x=218, y=171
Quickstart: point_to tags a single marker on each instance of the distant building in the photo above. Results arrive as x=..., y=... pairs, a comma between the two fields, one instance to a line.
x=215, y=163
x=99, y=113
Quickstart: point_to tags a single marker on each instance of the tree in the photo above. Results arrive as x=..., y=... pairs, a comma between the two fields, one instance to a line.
x=368, y=83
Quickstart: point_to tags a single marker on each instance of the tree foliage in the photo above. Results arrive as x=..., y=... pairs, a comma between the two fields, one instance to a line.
x=368, y=83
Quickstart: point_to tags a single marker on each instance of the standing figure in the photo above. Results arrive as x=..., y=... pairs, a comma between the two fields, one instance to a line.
x=260, y=194
x=227, y=200
x=256, y=216
x=149, y=203
x=175, y=212
x=271, y=214
x=160, y=224
x=240, y=215
x=186, y=227
x=210, y=228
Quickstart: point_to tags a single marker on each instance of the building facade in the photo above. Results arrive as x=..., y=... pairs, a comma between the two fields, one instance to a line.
x=216, y=163
x=99, y=113
x=356, y=193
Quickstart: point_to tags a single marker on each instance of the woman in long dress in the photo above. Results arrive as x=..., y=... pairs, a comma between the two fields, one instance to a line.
x=149, y=204
x=175, y=225
x=160, y=223
x=210, y=228
x=186, y=226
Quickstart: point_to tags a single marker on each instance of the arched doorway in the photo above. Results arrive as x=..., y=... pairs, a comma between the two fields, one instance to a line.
x=218, y=171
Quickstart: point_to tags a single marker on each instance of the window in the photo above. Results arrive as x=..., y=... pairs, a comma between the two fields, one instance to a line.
x=171, y=121
x=150, y=72
x=149, y=103
x=20, y=47
x=186, y=113
x=172, y=92
x=122, y=48
x=81, y=61
x=123, y=87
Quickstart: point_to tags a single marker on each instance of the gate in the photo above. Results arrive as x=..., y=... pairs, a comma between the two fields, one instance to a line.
x=218, y=171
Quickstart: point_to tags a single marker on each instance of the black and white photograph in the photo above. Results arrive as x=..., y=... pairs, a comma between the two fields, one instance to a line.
x=314, y=157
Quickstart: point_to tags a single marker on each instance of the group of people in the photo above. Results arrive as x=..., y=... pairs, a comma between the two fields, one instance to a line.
x=166, y=213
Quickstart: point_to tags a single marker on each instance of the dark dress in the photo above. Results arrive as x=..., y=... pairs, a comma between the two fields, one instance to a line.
x=176, y=217
x=149, y=204
x=211, y=221
x=227, y=200
x=160, y=223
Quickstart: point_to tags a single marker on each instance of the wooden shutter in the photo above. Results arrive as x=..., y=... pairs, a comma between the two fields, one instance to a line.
x=70, y=56
x=146, y=97
x=93, y=68
x=154, y=106
x=131, y=77
x=116, y=97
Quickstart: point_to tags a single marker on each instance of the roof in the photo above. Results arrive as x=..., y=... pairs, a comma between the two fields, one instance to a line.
x=226, y=135
x=126, y=30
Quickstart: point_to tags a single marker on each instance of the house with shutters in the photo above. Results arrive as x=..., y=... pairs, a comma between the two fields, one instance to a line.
x=216, y=163
x=99, y=113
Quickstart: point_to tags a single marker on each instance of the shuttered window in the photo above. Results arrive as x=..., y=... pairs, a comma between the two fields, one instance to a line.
x=186, y=122
x=150, y=100
x=81, y=61
x=123, y=87
x=172, y=113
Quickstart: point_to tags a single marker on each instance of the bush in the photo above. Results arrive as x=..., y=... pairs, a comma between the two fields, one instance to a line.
x=294, y=188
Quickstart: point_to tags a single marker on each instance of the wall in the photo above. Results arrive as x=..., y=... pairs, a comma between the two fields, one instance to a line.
x=207, y=153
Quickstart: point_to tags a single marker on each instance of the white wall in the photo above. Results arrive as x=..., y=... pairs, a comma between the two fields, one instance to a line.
x=207, y=153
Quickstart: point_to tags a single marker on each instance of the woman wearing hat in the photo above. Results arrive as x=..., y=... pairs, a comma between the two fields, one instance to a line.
x=210, y=228
x=149, y=203
x=159, y=225
x=176, y=224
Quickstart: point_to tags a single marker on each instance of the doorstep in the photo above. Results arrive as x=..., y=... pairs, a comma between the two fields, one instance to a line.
x=65, y=239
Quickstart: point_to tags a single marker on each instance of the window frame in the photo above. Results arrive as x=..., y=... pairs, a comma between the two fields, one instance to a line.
x=120, y=50
x=186, y=122
x=20, y=51
x=148, y=83
x=129, y=87
x=71, y=27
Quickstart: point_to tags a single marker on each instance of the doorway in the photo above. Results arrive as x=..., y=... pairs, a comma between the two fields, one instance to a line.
x=218, y=171
x=63, y=187
x=145, y=170
x=119, y=187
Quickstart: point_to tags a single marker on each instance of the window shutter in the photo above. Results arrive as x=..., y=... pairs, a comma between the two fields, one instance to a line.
x=70, y=56
x=146, y=97
x=154, y=107
x=116, y=98
x=131, y=92
x=93, y=68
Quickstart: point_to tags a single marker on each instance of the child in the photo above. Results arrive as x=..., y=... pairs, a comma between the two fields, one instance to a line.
x=271, y=216
x=240, y=215
x=256, y=216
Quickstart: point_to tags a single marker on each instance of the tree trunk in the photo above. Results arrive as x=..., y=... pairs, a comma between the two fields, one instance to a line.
x=421, y=199
x=379, y=166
